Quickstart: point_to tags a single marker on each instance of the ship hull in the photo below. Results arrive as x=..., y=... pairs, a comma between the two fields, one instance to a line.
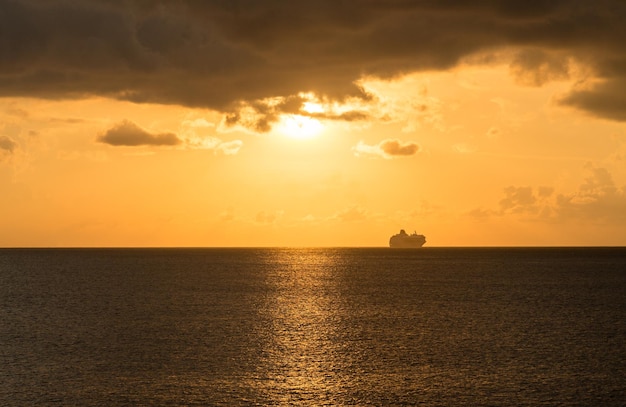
x=404, y=245
x=407, y=242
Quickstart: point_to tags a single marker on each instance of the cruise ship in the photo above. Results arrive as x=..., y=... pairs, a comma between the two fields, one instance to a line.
x=404, y=240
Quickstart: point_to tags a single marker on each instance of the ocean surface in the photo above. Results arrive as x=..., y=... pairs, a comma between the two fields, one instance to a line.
x=335, y=327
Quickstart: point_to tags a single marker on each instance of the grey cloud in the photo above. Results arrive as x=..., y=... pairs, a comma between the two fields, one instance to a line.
x=350, y=116
x=388, y=148
x=597, y=199
x=545, y=192
x=7, y=144
x=527, y=202
x=217, y=54
x=606, y=100
x=396, y=147
x=518, y=199
x=535, y=67
x=263, y=114
x=128, y=133
x=352, y=214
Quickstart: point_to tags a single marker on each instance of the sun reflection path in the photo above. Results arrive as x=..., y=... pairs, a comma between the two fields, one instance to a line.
x=303, y=362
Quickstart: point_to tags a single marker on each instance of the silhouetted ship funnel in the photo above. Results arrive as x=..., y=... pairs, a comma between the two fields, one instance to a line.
x=404, y=240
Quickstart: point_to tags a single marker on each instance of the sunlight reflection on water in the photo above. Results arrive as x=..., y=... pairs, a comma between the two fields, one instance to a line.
x=301, y=360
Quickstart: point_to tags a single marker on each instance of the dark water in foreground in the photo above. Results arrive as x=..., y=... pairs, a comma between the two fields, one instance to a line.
x=434, y=326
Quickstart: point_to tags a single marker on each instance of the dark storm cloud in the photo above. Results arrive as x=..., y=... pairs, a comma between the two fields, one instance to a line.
x=219, y=53
x=534, y=67
x=606, y=99
x=127, y=133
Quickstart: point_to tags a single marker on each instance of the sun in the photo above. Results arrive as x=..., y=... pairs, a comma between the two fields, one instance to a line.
x=300, y=127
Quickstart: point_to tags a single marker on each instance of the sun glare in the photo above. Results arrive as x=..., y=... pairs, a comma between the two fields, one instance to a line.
x=312, y=107
x=300, y=127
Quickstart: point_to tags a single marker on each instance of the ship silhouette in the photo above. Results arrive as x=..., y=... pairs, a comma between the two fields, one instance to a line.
x=404, y=240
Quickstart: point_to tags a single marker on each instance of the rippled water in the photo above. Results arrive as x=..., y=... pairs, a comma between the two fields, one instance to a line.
x=434, y=326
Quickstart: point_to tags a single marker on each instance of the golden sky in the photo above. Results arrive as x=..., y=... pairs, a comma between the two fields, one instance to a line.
x=326, y=123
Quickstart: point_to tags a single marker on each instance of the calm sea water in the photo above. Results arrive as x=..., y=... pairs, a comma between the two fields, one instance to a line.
x=211, y=327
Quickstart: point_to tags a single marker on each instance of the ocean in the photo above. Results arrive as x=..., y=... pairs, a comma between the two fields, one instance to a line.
x=313, y=327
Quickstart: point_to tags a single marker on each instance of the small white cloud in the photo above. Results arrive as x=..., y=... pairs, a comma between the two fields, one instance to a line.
x=214, y=144
x=463, y=148
x=230, y=147
x=198, y=123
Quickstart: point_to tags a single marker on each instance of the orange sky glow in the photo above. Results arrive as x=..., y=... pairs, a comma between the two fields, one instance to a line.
x=205, y=124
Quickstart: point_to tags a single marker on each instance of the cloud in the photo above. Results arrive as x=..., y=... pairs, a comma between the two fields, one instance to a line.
x=218, y=54
x=597, y=199
x=195, y=135
x=229, y=147
x=606, y=99
x=526, y=202
x=517, y=199
x=214, y=144
x=259, y=116
x=352, y=214
x=535, y=67
x=7, y=144
x=268, y=218
x=128, y=133
x=388, y=148
x=493, y=132
x=198, y=123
